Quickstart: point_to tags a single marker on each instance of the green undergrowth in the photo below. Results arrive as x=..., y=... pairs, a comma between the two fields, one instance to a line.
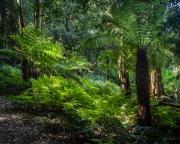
x=164, y=116
x=86, y=100
x=97, y=108
x=90, y=101
x=10, y=80
x=171, y=81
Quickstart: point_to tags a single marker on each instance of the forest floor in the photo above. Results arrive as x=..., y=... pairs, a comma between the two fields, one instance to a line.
x=23, y=126
x=20, y=127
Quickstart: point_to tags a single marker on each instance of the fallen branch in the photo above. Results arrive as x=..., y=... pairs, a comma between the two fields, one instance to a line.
x=170, y=104
x=167, y=104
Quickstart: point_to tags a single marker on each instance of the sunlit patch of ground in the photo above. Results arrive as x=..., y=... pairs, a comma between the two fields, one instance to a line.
x=17, y=127
x=8, y=117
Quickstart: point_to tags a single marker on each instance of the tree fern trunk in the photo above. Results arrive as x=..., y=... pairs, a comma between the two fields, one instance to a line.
x=142, y=83
x=156, y=83
x=124, y=77
x=25, y=69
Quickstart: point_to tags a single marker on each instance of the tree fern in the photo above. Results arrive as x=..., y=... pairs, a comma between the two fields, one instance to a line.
x=10, y=53
x=46, y=55
x=34, y=45
x=9, y=56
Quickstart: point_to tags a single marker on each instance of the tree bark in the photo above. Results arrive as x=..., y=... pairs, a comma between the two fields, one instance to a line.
x=2, y=22
x=37, y=14
x=142, y=84
x=21, y=18
x=25, y=69
x=24, y=65
x=124, y=77
x=156, y=83
x=37, y=23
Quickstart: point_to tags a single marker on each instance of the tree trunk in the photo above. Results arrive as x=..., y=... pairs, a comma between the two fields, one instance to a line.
x=142, y=83
x=24, y=65
x=21, y=19
x=156, y=83
x=2, y=22
x=37, y=23
x=25, y=69
x=124, y=77
x=37, y=14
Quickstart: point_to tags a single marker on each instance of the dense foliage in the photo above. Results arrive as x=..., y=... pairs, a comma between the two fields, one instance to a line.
x=110, y=67
x=10, y=80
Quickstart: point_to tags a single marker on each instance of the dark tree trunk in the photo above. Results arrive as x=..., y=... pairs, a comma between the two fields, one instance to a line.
x=156, y=83
x=142, y=83
x=2, y=22
x=37, y=14
x=25, y=69
x=24, y=65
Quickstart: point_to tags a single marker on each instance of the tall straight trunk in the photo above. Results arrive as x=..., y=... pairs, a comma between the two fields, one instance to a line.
x=37, y=14
x=124, y=77
x=21, y=18
x=2, y=29
x=142, y=83
x=24, y=65
x=37, y=23
x=156, y=83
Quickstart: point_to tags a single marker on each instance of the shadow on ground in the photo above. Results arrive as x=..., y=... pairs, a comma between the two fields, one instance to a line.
x=18, y=127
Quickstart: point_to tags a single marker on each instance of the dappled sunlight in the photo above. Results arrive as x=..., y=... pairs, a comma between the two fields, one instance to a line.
x=8, y=117
x=89, y=71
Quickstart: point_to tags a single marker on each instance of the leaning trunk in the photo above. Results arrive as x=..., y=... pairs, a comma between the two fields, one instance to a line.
x=142, y=83
x=156, y=83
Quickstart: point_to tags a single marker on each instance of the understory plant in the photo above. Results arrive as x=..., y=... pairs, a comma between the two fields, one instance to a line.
x=85, y=99
x=45, y=54
x=171, y=81
x=10, y=80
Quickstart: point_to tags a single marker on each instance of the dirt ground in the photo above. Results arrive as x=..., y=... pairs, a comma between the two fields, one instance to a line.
x=18, y=127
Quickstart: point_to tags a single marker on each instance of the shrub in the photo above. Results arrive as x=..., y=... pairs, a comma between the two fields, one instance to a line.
x=10, y=80
x=46, y=55
x=165, y=115
x=171, y=83
x=39, y=49
x=86, y=100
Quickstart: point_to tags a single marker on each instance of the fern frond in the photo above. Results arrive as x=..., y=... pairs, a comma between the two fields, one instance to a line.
x=10, y=53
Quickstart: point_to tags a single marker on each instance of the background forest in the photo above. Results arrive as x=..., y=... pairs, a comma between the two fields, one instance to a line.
x=91, y=71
